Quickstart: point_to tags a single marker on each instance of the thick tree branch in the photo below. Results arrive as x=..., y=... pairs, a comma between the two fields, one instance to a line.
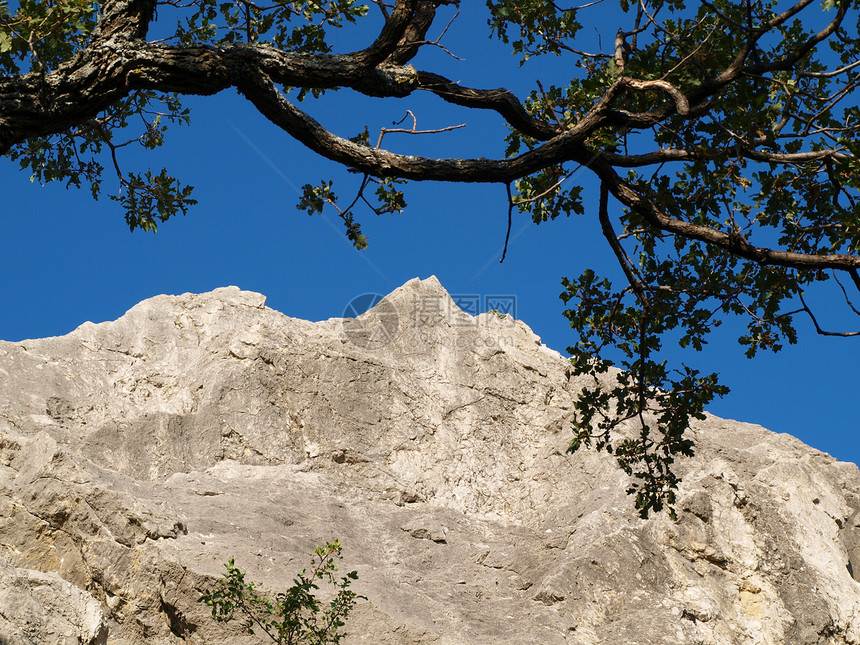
x=501, y=101
x=682, y=105
x=680, y=154
x=34, y=105
x=567, y=146
x=261, y=91
x=127, y=18
x=734, y=243
x=416, y=32
x=393, y=32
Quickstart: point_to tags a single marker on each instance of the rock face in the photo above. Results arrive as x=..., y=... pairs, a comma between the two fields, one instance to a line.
x=137, y=456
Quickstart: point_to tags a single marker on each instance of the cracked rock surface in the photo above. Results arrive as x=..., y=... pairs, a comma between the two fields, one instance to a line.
x=137, y=456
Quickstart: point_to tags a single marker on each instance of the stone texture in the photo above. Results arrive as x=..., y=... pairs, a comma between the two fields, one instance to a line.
x=137, y=456
x=37, y=607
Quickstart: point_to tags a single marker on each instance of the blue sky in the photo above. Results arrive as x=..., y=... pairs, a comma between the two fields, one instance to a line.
x=65, y=259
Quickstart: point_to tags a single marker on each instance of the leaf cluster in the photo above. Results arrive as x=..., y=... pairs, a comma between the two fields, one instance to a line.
x=295, y=616
x=75, y=157
x=290, y=25
x=387, y=199
x=640, y=413
x=533, y=27
x=40, y=35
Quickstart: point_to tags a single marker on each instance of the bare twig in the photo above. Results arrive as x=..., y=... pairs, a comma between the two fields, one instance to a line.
x=818, y=329
x=414, y=129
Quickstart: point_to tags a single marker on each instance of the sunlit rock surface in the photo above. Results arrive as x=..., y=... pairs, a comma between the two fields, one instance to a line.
x=137, y=456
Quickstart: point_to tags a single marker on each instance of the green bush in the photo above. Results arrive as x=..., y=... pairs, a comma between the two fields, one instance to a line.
x=295, y=616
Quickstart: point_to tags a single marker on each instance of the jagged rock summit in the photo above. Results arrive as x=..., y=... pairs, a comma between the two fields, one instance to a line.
x=137, y=456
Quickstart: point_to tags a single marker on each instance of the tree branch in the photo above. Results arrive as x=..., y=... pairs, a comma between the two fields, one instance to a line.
x=394, y=30
x=610, y=236
x=125, y=18
x=734, y=243
x=501, y=101
x=567, y=146
x=35, y=105
x=414, y=35
x=818, y=329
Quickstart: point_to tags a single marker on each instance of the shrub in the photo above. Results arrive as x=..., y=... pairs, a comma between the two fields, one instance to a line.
x=295, y=616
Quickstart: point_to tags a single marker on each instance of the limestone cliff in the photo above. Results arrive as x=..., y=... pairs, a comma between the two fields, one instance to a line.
x=137, y=456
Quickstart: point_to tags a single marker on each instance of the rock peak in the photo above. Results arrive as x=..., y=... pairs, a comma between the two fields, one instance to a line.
x=414, y=292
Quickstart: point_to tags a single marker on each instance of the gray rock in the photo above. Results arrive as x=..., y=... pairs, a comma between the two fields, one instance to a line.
x=137, y=456
x=38, y=607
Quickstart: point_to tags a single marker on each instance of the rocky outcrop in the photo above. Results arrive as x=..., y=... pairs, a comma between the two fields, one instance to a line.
x=43, y=608
x=137, y=456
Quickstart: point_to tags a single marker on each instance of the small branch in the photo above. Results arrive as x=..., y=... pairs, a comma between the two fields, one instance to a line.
x=548, y=190
x=845, y=293
x=818, y=329
x=414, y=129
x=384, y=131
x=617, y=249
x=835, y=72
x=437, y=42
x=682, y=104
x=724, y=17
x=510, y=212
x=550, y=106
